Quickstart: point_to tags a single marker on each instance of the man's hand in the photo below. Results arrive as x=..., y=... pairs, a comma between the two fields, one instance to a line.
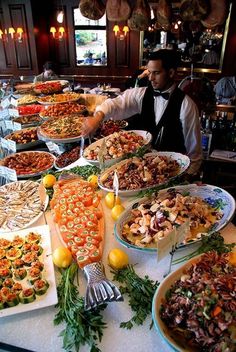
x=92, y=123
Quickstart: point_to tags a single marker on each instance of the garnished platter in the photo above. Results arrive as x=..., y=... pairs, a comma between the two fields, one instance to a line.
x=38, y=288
x=50, y=87
x=139, y=174
x=62, y=129
x=208, y=209
x=63, y=110
x=110, y=126
x=116, y=146
x=21, y=204
x=28, y=120
x=29, y=163
x=59, y=98
x=27, y=99
x=25, y=139
x=199, y=294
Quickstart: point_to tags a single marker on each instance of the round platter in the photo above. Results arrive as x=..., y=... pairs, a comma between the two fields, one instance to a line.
x=58, y=102
x=216, y=197
x=193, y=302
x=182, y=160
x=108, y=162
x=38, y=161
x=24, y=146
x=31, y=201
x=63, y=126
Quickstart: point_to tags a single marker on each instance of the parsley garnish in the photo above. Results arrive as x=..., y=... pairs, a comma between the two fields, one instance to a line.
x=82, y=327
x=209, y=243
x=140, y=292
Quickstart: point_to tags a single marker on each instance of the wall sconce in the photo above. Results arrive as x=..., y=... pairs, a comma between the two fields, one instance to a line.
x=120, y=34
x=11, y=31
x=53, y=31
x=61, y=31
x=57, y=34
x=19, y=32
x=14, y=34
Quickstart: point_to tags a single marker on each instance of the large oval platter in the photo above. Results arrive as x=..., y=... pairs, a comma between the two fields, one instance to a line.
x=179, y=342
x=25, y=134
x=59, y=98
x=147, y=137
x=29, y=163
x=181, y=160
x=62, y=129
x=217, y=198
x=22, y=204
x=28, y=120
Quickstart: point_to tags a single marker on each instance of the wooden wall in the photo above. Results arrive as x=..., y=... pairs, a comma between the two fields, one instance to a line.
x=36, y=17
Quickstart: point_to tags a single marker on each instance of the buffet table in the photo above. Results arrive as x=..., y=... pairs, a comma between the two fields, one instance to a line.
x=34, y=330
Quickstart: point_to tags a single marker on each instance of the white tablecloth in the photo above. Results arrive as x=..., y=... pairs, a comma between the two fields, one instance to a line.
x=35, y=330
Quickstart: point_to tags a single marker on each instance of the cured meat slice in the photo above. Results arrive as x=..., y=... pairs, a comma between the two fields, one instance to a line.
x=118, y=10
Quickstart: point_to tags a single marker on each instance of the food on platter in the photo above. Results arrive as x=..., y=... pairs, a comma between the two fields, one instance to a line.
x=116, y=146
x=28, y=120
x=68, y=157
x=48, y=87
x=75, y=205
x=62, y=127
x=24, y=88
x=194, y=307
x=154, y=219
x=59, y=98
x=61, y=110
x=19, y=205
x=136, y=173
x=109, y=127
x=30, y=163
x=27, y=99
x=25, y=136
x=29, y=109
x=31, y=284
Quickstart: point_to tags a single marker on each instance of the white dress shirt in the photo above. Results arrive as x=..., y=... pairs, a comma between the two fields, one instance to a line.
x=130, y=103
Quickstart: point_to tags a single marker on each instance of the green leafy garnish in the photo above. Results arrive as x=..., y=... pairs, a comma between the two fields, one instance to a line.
x=140, y=292
x=139, y=153
x=209, y=243
x=82, y=327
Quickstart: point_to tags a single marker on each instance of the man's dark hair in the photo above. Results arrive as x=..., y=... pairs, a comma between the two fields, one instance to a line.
x=49, y=65
x=168, y=57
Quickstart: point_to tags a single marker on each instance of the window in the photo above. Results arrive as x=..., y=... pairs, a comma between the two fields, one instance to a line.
x=90, y=40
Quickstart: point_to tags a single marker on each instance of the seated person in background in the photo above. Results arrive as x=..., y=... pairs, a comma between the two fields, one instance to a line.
x=89, y=59
x=225, y=90
x=162, y=108
x=48, y=73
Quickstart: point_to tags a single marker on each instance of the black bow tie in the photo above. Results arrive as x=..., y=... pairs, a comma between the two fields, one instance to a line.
x=163, y=95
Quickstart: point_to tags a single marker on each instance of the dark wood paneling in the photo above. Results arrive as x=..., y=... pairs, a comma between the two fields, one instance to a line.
x=5, y=56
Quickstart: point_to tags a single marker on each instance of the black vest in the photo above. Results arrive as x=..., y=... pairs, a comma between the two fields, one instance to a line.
x=168, y=133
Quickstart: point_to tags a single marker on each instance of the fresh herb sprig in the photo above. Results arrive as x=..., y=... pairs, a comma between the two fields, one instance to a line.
x=209, y=243
x=139, y=153
x=82, y=327
x=140, y=292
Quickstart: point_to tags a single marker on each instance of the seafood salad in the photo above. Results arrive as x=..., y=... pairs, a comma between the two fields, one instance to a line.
x=200, y=307
x=19, y=204
x=154, y=219
x=117, y=145
x=136, y=173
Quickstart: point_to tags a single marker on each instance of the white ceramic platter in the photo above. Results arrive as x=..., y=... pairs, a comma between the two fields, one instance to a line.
x=181, y=159
x=50, y=297
x=215, y=196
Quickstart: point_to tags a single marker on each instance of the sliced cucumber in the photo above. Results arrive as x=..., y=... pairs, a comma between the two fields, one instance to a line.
x=40, y=287
x=13, y=254
x=27, y=296
x=12, y=300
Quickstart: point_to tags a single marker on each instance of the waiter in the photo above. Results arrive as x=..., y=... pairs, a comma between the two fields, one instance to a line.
x=163, y=109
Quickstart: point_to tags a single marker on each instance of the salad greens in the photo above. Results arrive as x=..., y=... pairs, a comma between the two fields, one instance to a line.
x=81, y=327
